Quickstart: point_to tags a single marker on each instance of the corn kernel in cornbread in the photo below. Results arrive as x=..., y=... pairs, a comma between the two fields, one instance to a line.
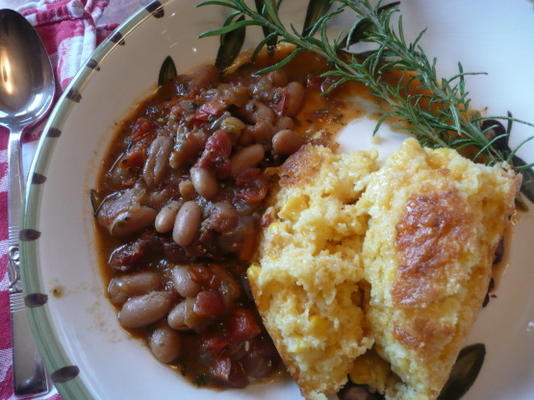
x=307, y=287
x=436, y=219
x=379, y=273
x=371, y=370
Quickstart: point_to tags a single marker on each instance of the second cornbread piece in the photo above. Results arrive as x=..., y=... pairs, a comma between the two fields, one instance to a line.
x=307, y=287
x=435, y=222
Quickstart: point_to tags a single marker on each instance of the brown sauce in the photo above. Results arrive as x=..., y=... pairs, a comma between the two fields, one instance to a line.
x=318, y=113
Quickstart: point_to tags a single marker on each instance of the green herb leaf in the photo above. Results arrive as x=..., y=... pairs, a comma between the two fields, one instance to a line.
x=280, y=63
x=430, y=118
x=231, y=43
x=228, y=4
x=96, y=204
x=316, y=9
x=262, y=44
x=240, y=24
x=527, y=185
x=167, y=72
x=464, y=372
x=360, y=27
x=269, y=34
x=493, y=128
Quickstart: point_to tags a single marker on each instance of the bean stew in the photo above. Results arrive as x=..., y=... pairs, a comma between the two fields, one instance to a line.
x=182, y=192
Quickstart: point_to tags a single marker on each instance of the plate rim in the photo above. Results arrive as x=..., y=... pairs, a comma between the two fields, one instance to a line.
x=60, y=368
x=40, y=317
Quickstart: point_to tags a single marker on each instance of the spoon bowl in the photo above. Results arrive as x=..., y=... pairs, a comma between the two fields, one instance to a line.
x=27, y=90
x=26, y=78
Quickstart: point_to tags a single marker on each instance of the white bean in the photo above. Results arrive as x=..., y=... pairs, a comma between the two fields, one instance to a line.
x=287, y=142
x=122, y=287
x=247, y=157
x=278, y=78
x=165, y=343
x=260, y=132
x=184, y=283
x=187, y=223
x=166, y=216
x=187, y=190
x=284, y=122
x=181, y=314
x=132, y=221
x=158, y=160
x=204, y=182
x=145, y=310
x=294, y=98
x=257, y=111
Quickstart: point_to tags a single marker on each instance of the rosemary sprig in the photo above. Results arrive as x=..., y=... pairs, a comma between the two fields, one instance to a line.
x=434, y=110
x=271, y=39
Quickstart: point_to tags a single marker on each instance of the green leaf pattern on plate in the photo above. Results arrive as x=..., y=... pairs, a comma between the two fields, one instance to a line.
x=167, y=71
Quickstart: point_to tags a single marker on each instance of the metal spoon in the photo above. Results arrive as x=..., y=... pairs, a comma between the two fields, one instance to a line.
x=26, y=92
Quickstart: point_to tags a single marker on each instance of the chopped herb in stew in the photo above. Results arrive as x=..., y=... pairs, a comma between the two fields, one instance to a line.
x=181, y=196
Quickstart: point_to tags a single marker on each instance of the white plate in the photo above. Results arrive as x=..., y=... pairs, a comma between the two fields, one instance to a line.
x=88, y=353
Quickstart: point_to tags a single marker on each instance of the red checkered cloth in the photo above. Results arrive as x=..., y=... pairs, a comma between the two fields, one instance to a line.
x=70, y=34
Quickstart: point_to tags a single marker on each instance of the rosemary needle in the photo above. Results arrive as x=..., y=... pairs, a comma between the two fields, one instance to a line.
x=438, y=113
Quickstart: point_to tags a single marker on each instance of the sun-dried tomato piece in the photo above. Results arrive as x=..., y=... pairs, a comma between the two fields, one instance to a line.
x=209, y=304
x=214, y=344
x=216, y=154
x=208, y=111
x=143, y=127
x=242, y=325
x=252, y=186
x=229, y=372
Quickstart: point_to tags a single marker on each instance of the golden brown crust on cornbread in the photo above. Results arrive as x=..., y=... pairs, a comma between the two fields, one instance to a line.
x=436, y=219
x=430, y=234
x=301, y=166
x=378, y=273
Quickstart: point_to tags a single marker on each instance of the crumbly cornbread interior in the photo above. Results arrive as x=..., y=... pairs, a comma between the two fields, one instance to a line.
x=378, y=271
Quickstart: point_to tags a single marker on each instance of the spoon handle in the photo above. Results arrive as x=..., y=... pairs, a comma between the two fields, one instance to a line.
x=16, y=185
x=29, y=375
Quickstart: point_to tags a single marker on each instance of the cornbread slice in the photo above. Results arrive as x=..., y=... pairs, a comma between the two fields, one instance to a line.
x=307, y=286
x=380, y=273
x=436, y=219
